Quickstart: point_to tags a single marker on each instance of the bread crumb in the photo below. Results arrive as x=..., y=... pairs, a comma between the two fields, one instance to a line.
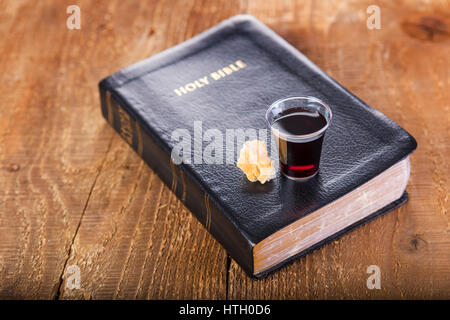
x=255, y=162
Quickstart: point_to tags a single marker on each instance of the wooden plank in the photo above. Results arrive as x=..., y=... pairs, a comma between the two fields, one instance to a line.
x=404, y=74
x=142, y=242
x=51, y=148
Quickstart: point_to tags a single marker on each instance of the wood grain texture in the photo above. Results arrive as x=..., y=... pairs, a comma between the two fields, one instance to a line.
x=73, y=193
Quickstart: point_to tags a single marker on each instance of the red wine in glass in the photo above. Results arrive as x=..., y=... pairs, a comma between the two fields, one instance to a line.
x=299, y=159
x=299, y=126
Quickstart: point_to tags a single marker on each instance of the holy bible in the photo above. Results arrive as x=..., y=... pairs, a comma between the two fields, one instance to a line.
x=204, y=91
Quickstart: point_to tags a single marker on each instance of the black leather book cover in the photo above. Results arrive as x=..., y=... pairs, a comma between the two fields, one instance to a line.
x=225, y=78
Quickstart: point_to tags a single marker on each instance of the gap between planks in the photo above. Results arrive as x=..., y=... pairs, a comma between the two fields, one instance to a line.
x=61, y=276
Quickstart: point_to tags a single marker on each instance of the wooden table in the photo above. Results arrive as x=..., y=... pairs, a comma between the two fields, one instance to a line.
x=72, y=192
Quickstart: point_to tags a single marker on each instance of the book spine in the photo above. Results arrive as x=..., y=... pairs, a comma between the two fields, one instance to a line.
x=176, y=177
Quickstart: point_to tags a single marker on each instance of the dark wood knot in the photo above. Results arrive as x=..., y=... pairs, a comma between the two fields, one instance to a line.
x=431, y=28
x=13, y=167
x=417, y=243
x=151, y=32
